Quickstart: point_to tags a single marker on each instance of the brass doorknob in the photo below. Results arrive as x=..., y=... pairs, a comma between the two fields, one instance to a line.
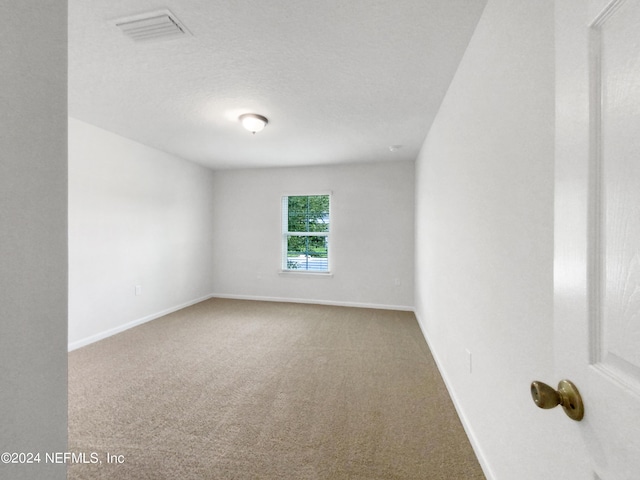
x=567, y=395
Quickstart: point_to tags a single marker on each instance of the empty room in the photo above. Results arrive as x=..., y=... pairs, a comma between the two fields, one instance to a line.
x=320, y=240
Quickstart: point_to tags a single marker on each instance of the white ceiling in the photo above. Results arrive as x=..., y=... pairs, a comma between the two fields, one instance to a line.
x=339, y=81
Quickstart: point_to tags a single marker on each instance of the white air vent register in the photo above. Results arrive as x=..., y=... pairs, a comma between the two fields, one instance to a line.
x=158, y=25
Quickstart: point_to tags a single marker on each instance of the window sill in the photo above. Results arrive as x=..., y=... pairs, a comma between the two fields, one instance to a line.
x=304, y=273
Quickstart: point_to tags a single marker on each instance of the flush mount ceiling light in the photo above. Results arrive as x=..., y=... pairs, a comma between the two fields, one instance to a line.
x=253, y=122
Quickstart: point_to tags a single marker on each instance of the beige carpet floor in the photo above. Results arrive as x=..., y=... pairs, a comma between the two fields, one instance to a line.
x=230, y=389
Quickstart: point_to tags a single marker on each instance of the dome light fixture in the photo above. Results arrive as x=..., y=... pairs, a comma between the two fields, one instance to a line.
x=253, y=122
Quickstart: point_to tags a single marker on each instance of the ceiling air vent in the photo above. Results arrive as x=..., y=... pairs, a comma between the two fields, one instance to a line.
x=157, y=25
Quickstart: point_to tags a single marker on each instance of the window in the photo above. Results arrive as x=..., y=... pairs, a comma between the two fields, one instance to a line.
x=305, y=233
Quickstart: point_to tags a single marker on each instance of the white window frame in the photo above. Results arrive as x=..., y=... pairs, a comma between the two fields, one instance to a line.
x=285, y=234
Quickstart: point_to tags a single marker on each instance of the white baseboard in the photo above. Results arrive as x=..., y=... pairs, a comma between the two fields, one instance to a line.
x=377, y=306
x=484, y=464
x=121, y=328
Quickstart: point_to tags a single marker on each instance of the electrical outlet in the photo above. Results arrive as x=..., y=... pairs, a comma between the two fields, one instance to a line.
x=396, y=282
x=138, y=290
x=469, y=360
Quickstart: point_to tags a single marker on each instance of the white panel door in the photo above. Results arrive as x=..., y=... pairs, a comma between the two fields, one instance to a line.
x=597, y=225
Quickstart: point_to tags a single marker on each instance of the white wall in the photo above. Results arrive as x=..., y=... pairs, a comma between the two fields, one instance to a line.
x=484, y=241
x=33, y=235
x=371, y=241
x=137, y=216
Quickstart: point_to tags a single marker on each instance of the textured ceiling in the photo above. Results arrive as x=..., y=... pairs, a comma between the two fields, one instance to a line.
x=340, y=81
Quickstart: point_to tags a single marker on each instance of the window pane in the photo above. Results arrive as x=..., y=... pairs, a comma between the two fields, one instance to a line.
x=308, y=213
x=307, y=253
